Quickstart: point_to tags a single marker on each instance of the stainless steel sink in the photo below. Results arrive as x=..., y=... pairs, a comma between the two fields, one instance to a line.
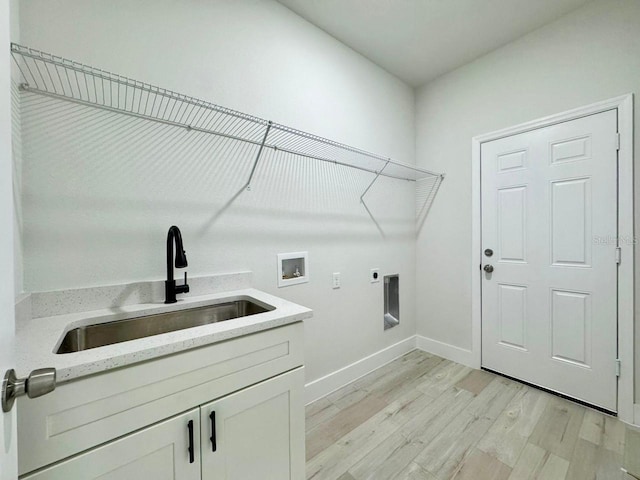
x=98, y=335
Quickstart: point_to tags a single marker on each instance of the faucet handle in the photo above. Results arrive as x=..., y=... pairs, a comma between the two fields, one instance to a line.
x=183, y=288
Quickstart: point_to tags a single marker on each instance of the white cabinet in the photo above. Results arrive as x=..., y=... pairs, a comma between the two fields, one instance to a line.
x=92, y=411
x=256, y=433
x=160, y=452
x=259, y=434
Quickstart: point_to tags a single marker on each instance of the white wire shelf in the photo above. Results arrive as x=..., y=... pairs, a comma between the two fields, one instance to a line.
x=57, y=77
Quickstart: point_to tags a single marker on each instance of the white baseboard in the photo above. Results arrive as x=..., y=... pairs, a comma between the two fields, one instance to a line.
x=332, y=382
x=445, y=350
x=636, y=415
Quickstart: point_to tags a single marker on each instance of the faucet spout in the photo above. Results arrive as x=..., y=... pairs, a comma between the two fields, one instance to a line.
x=180, y=261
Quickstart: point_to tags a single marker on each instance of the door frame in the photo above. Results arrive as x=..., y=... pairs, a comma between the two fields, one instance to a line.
x=626, y=338
x=8, y=424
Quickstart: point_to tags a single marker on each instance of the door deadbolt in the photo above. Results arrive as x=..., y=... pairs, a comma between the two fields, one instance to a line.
x=38, y=383
x=488, y=252
x=488, y=268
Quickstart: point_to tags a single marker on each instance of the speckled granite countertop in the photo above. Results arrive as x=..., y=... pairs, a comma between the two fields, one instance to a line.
x=38, y=338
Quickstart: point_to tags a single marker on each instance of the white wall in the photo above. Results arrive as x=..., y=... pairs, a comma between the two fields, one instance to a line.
x=589, y=55
x=100, y=191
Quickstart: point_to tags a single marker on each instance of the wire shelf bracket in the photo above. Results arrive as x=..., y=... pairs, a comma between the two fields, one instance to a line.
x=255, y=163
x=373, y=181
x=63, y=79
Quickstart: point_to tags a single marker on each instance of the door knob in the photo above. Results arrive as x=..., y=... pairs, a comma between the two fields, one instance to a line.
x=488, y=268
x=38, y=383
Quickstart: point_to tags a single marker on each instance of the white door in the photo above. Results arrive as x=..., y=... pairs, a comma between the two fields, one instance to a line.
x=8, y=451
x=256, y=433
x=169, y=450
x=549, y=214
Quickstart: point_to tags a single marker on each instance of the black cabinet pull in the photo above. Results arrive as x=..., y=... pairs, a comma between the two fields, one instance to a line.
x=214, y=445
x=191, y=451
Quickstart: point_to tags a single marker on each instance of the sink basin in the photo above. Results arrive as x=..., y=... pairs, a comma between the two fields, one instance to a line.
x=98, y=335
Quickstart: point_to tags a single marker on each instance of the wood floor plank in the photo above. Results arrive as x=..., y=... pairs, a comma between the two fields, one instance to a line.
x=384, y=373
x=492, y=401
x=388, y=459
x=558, y=428
x=508, y=436
x=536, y=463
x=343, y=391
x=345, y=476
x=386, y=382
x=476, y=381
x=554, y=468
x=450, y=447
x=480, y=465
x=396, y=383
x=419, y=433
x=591, y=462
x=424, y=418
x=319, y=412
x=413, y=378
x=315, y=407
x=364, y=383
x=603, y=430
x=348, y=450
x=443, y=376
x=394, y=453
x=441, y=412
x=414, y=472
x=325, y=434
x=632, y=452
x=347, y=398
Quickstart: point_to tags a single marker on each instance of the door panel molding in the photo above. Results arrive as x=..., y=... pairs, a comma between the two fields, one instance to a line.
x=624, y=107
x=512, y=209
x=571, y=232
x=513, y=298
x=571, y=312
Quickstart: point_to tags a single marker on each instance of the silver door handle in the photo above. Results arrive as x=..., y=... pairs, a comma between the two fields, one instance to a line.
x=488, y=268
x=38, y=383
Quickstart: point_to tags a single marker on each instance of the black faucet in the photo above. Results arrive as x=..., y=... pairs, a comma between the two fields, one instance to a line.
x=170, y=287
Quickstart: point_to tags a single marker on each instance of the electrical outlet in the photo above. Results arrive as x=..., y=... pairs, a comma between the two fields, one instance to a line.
x=336, y=280
x=374, y=276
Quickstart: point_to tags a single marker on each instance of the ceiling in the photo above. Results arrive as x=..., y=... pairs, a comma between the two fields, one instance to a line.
x=418, y=40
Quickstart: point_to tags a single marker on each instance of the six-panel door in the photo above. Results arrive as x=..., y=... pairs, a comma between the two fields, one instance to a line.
x=160, y=452
x=549, y=209
x=256, y=433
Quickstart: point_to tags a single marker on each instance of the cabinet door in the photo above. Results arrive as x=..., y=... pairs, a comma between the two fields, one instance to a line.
x=160, y=452
x=256, y=433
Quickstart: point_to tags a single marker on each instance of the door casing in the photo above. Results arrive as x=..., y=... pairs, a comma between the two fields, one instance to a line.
x=624, y=106
x=8, y=432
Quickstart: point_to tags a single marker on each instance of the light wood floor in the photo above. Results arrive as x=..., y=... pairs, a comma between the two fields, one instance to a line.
x=425, y=418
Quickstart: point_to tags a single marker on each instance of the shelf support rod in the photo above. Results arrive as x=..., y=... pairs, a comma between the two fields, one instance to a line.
x=373, y=181
x=255, y=163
